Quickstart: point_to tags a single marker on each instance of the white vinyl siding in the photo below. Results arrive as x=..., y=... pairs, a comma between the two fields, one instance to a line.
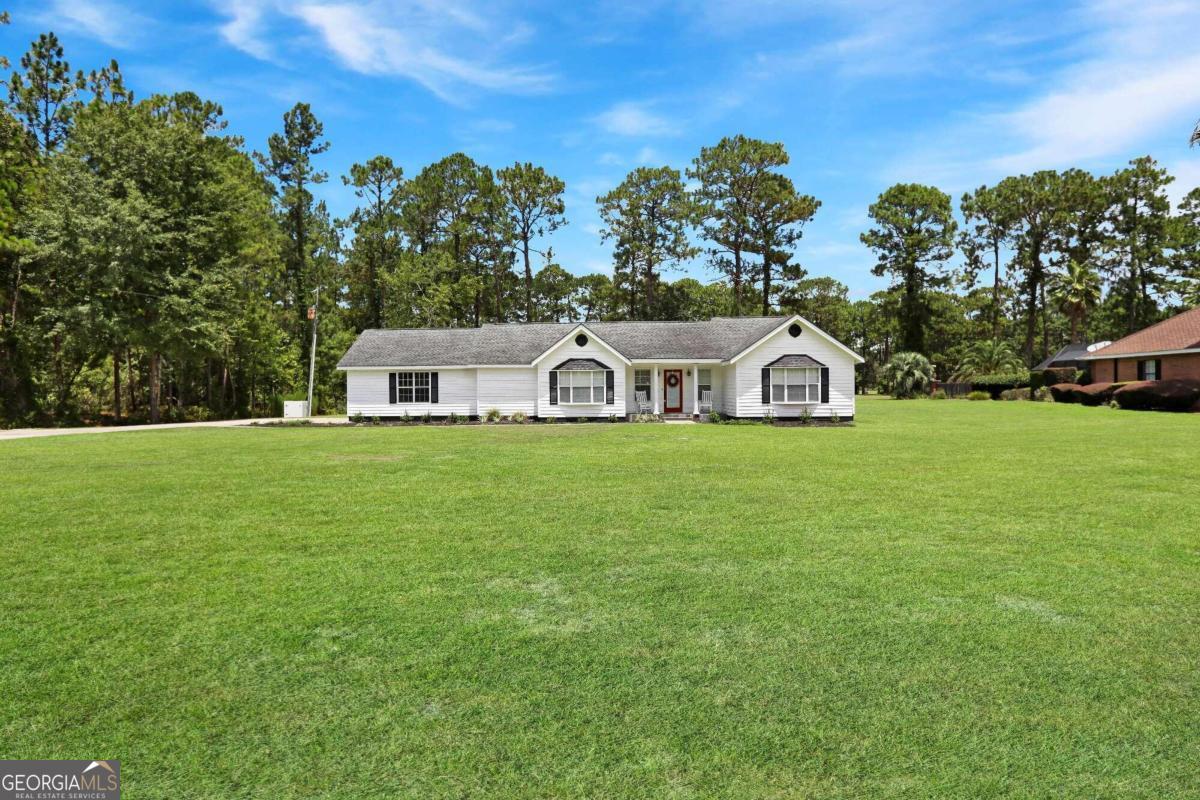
x=507, y=389
x=727, y=391
x=748, y=372
x=367, y=394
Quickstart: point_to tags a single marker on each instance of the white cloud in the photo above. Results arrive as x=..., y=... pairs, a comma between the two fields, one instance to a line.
x=634, y=119
x=446, y=47
x=1106, y=110
x=107, y=22
x=1131, y=81
x=867, y=38
x=648, y=155
x=242, y=29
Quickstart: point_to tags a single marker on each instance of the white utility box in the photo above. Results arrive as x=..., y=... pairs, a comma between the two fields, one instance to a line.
x=295, y=409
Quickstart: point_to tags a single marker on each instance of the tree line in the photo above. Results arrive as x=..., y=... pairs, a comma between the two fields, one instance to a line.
x=1047, y=258
x=153, y=266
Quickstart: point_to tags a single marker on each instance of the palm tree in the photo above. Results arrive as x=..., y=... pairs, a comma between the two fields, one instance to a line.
x=1076, y=293
x=908, y=375
x=1195, y=140
x=988, y=357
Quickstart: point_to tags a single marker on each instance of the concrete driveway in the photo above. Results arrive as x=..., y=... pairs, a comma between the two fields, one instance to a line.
x=29, y=433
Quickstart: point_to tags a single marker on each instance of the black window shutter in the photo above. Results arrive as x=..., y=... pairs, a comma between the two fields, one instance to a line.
x=553, y=388
x=1116, y=370
x=766, y=385
x=1141, y=370
x=392, y=388
x=824, y=384
x=609, y=393
x=1158, y=376
x=433, y=387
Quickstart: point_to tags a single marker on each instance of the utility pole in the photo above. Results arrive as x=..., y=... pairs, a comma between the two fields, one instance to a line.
x=312, y=352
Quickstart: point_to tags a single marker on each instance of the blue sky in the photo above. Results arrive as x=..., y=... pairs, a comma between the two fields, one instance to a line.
x=863, y=93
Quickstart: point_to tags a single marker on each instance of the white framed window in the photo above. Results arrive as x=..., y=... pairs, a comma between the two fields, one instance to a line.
x=796, y=385
x=581, y=386
x=641, y=381
x=412, y=387
x=704, y=381
x=1150, y=370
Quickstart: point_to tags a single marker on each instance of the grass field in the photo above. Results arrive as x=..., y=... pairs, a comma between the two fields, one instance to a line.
x=949, y=599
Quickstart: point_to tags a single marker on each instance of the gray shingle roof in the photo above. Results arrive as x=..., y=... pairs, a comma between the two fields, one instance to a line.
x=802, y=360
x=520, y=343
x=581, y=364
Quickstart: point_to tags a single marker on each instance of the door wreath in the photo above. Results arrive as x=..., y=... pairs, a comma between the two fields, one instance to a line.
x=672, y=380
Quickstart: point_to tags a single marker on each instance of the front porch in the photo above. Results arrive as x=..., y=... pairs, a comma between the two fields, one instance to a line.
x=675, y=390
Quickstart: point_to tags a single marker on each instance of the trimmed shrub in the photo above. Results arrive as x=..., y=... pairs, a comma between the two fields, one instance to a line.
x=995, y=384
x=1058, y=375
x=1172, y=395
x=1064, y=392
x=1025, y=394
x=1095, y=394
x=979, y=395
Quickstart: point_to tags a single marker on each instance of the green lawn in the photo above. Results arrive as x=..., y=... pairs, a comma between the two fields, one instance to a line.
x=949, y=599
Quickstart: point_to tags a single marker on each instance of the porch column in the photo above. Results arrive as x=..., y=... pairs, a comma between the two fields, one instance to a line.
x=695, y=390
x=654, y=385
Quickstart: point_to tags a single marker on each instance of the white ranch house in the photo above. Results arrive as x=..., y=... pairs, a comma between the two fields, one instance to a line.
x=735, y=366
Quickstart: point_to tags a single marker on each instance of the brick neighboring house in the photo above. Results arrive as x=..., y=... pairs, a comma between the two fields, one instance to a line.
x=1167, y=350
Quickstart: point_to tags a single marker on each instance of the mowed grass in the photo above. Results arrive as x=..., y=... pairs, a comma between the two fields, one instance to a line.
x=949, y=599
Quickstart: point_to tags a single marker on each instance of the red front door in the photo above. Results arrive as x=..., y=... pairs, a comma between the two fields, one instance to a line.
x=673, y=391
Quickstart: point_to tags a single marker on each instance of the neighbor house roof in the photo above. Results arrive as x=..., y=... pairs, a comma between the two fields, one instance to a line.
x=720, y=338
x=795, y=361
x=1070, y=353
x=1179, y=333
